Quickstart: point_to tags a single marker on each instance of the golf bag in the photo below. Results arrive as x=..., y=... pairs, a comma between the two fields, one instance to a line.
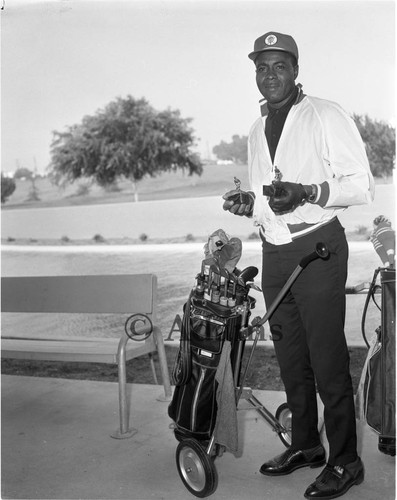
x=376, y=394
x=214, y=312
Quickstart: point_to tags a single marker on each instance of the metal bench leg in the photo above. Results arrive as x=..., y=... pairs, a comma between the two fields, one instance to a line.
x=153, y=368
x=124, y=432
x=163, y=365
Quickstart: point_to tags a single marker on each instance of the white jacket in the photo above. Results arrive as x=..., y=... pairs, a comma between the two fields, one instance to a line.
x=320, y=144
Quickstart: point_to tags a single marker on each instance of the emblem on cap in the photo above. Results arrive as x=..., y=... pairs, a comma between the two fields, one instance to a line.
x=270, y=40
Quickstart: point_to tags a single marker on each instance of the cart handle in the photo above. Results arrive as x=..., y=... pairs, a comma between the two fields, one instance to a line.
x=322, y=252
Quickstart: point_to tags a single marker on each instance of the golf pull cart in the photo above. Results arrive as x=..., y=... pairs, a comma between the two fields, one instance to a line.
x=208, y=328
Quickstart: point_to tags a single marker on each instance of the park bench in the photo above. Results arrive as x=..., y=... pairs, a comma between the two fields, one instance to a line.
x=134, y=294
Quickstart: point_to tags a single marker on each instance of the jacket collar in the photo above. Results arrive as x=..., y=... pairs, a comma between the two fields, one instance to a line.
x=264, y=106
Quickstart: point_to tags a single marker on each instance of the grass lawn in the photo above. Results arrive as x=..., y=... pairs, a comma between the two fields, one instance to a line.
x=214, y=180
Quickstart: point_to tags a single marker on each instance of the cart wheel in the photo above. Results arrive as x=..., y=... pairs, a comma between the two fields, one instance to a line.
x=284, y=416
x=196, y=468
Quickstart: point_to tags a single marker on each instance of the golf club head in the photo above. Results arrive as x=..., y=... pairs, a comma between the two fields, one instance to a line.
x=248, y=274
x=233, y=277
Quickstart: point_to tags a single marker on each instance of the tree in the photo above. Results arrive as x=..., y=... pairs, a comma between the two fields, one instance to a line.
x=7, y=188
x=235, y=151
x=380, y=143
x=128, y=138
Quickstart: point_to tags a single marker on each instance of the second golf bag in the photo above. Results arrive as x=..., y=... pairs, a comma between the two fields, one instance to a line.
x=216, y=309
x=376, y=394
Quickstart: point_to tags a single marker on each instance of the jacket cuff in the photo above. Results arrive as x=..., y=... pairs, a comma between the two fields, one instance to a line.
x=323, y=195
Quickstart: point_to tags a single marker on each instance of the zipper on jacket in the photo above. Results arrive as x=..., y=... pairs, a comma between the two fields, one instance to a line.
x=196, y=397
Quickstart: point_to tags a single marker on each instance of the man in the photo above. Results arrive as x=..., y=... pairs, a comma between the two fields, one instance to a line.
x=307, y=164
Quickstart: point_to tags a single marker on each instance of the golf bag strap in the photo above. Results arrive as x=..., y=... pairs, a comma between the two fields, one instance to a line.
x=183, y=366
x=371, y=294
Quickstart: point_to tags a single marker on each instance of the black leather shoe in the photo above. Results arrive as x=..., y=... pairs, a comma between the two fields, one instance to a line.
x=335, y=481
x=291, y=460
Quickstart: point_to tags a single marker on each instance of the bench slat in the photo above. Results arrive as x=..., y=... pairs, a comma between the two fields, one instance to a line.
x=62, y=338
x=79, y=294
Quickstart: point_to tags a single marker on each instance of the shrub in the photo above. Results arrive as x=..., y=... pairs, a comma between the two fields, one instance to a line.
x=7, y=188
x=99, y=238
x=143, y=237
x=83, y=190
x=190, y=237
x=253, y=236
x=112, y=188
x=65, y=239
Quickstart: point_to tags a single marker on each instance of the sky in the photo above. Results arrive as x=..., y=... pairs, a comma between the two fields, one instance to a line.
x=64, y=59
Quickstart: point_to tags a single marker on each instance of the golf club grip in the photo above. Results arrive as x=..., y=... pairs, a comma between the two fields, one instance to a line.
x=309, y=258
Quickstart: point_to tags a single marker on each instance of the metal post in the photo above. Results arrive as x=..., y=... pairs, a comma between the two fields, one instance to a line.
x=124, y=432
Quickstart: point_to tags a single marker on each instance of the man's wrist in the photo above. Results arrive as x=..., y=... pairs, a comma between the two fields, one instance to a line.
x=251, y=194
x=311, y=192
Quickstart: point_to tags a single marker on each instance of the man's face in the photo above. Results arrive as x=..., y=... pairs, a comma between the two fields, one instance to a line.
x=275, y=76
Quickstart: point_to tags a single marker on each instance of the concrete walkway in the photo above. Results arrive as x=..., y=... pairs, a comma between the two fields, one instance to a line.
x=56, y=444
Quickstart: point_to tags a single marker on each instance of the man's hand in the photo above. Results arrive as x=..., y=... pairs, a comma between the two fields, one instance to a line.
x=239, y=202
x=287, y=196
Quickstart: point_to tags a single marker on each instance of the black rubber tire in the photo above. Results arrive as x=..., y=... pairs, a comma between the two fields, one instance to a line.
x=196, y=468
x=284, y=416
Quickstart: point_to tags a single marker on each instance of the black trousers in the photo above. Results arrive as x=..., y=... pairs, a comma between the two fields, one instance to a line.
x=309, y=339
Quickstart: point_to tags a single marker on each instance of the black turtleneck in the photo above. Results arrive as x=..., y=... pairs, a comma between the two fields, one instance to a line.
x=275, y=122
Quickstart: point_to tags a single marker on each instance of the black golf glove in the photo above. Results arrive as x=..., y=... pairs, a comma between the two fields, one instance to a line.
x=287, y=196
x=239, y=202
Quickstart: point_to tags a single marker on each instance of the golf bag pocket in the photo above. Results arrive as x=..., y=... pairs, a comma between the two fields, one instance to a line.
x=209, y=327
x=193, y=407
